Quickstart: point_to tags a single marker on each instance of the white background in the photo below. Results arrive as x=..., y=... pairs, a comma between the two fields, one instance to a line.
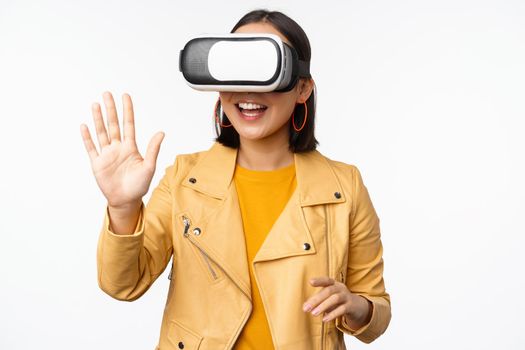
x=425, y=97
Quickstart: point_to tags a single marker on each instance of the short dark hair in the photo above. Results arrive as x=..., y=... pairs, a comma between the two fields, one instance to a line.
x=304, y=140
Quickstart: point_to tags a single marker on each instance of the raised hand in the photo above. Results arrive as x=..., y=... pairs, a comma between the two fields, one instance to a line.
x=120, y=171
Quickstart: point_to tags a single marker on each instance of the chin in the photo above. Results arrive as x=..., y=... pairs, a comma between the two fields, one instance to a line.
x=252, y=135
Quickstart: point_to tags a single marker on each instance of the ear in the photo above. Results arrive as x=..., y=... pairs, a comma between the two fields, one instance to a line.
x=305, y=87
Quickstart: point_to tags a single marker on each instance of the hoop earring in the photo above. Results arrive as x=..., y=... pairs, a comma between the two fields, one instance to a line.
x=221, y=113
x=304, y=119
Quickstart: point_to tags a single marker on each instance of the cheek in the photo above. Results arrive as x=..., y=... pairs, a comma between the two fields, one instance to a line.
x=226, y=102
x=226, y=96
x=284, y=103
x=285, y=109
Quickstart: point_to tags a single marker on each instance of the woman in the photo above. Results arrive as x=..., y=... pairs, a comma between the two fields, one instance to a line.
x=272, y=244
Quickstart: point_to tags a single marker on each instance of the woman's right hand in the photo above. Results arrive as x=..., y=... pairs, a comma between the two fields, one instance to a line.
x=120, y=171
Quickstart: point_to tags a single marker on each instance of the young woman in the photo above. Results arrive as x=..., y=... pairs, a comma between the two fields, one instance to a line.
x=273, y=245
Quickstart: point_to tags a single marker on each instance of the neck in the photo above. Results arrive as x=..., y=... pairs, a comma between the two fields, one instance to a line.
x=265, y=154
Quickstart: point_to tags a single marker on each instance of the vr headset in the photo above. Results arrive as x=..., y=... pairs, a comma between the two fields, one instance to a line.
x=241, y=62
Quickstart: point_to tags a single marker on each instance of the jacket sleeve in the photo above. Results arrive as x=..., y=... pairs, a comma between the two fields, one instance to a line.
x=365, y=264
x=127, y=265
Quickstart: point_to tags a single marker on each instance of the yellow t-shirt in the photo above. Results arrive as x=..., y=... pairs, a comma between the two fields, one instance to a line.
x=262, y=197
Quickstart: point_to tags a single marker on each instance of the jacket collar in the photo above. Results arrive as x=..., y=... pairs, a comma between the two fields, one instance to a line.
x=316, y=180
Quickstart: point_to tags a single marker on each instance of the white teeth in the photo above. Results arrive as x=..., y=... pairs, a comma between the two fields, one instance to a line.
x=245, y=105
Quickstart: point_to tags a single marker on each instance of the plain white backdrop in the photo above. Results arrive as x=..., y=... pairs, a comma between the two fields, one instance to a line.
x=426, y=98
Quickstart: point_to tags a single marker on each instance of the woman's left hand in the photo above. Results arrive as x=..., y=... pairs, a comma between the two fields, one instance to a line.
x=335, y=300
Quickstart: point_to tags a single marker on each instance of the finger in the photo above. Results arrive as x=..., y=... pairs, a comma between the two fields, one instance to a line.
x=129, y=119
x=331, y=308
x=153, y=150
x=111, y=114
x=329, y=303
x=333, y=314
x=88, y=142
x=100, y=129
x=318, y=298
x=322, y=281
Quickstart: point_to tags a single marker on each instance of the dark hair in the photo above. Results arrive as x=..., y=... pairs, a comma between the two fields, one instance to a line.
x=304, y=140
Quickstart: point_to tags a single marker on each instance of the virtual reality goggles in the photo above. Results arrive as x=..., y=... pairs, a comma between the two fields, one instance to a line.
x=241, y=62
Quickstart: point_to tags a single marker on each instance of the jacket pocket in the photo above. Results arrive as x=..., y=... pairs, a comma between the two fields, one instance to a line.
x=181, y=337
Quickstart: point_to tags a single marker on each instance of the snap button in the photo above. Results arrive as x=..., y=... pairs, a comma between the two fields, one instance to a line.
x=192, y=180
x=306, y=246
x=196, y=231
x=181, y=345
x=337, y=195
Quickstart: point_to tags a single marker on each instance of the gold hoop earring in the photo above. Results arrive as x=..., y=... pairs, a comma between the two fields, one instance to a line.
x=217, y=120
x=304, y=119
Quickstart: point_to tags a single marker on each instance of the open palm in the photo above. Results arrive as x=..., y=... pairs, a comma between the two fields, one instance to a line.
x=122, y=174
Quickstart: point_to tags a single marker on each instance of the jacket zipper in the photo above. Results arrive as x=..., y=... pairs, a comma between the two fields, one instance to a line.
x=187, y=224
x=327, y=239
x=213, y=273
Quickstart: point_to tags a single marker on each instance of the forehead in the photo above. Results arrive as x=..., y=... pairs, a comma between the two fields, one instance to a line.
x=261, y=28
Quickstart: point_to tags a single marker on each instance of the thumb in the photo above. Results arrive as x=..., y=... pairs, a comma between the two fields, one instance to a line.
x=152, y=151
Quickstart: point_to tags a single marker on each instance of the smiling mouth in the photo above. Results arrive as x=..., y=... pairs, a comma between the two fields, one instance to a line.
x=250, y=111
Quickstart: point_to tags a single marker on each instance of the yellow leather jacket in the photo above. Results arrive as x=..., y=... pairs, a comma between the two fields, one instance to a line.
x=328, y=228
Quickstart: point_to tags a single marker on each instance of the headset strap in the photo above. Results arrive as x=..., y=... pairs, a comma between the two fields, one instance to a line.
x=303, y=69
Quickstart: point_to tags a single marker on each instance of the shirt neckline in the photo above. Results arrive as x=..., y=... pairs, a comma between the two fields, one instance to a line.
x=276, y=175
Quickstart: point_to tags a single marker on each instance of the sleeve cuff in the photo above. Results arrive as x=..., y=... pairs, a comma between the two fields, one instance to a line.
x=369, y=331
x=137, y=231
x=362, y=328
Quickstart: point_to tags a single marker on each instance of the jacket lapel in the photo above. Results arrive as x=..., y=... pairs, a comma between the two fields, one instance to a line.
x=291, y=235
x=222, y=234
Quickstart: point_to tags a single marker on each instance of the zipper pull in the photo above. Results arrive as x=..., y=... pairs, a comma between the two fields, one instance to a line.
x=187, y=224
